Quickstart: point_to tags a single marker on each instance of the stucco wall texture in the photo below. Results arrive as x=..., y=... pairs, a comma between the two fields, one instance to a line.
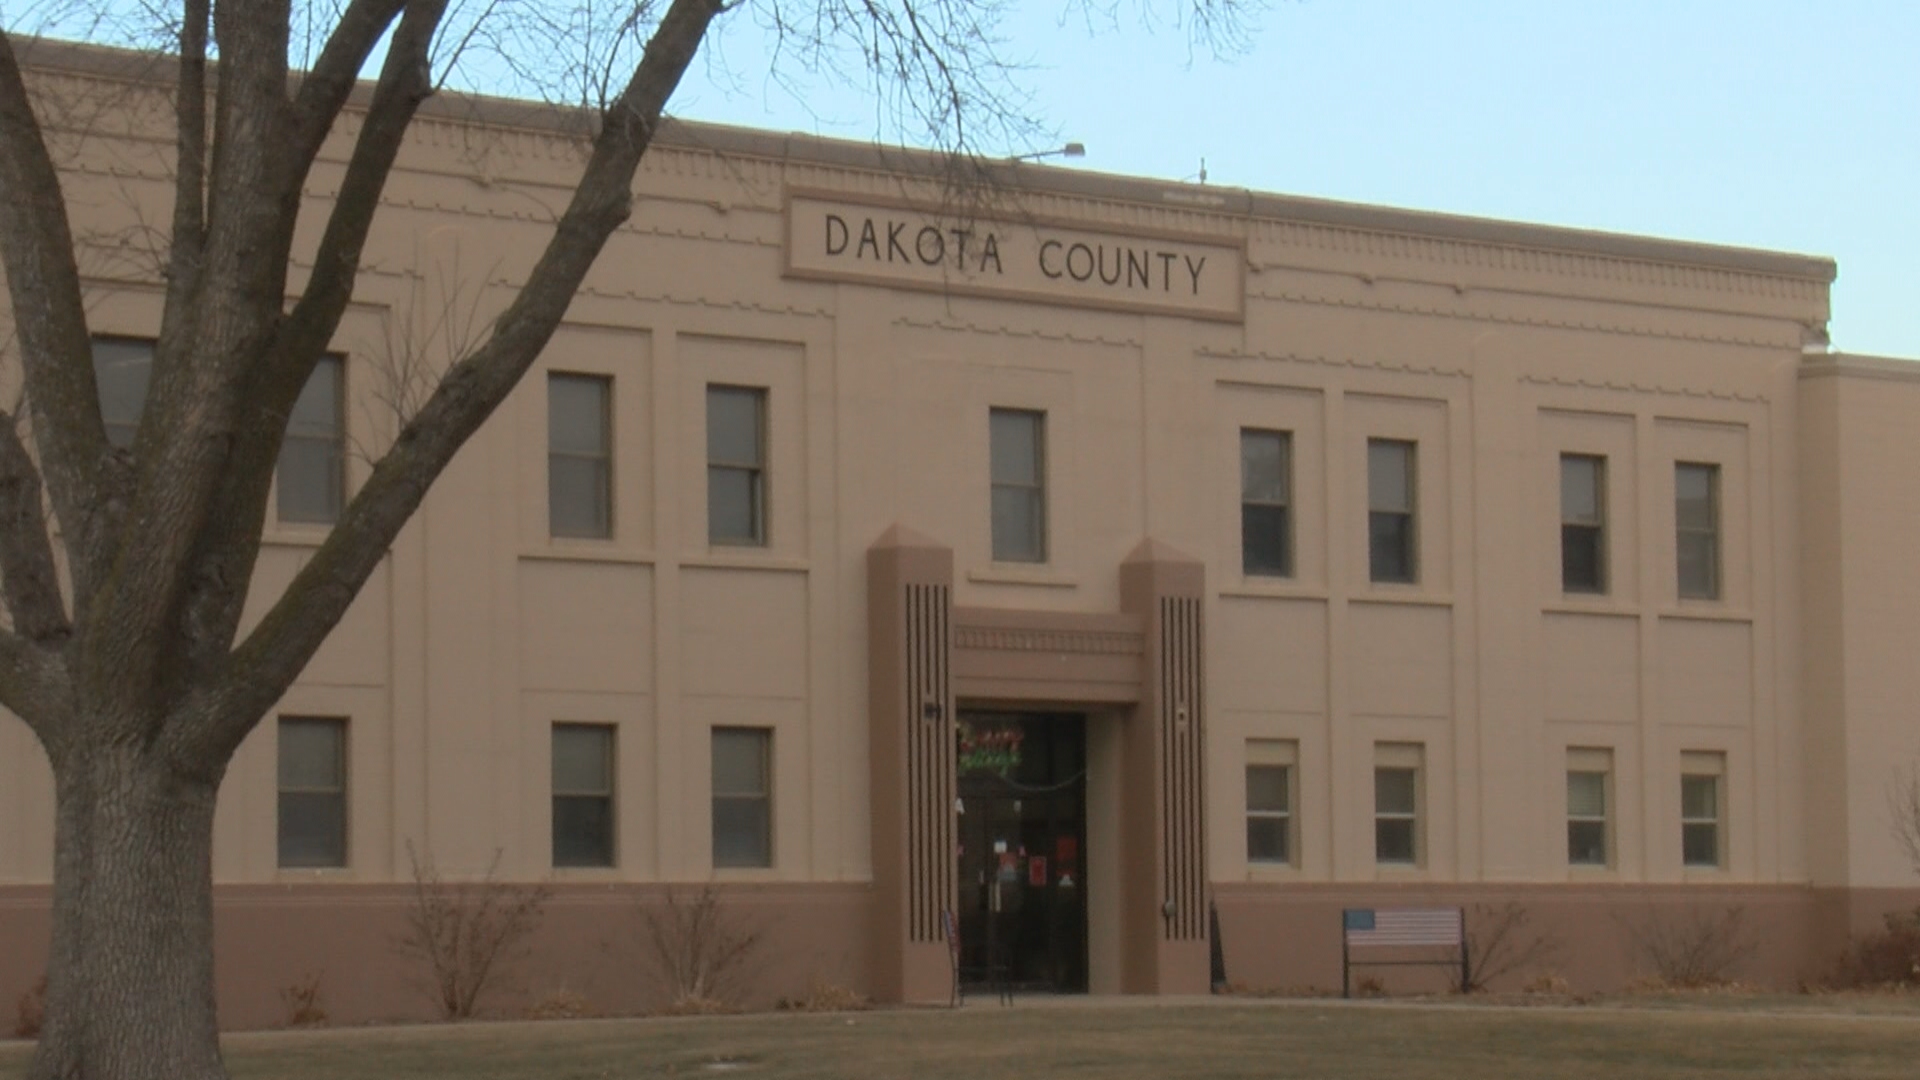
x=1151, y=323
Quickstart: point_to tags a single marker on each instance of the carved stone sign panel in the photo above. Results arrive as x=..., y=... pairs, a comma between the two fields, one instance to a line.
x=915, y=247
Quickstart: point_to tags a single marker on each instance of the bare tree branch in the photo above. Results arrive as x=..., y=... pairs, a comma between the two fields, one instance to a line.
x=27, y=571
x=43, y=283
x=231, y=536
x=252, y=677
x=325, y=88
x=188, y=243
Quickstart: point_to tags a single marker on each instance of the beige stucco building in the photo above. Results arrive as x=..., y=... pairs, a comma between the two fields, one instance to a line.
x=1122, y=547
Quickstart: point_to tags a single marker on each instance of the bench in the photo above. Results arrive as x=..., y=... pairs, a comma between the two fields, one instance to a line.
x=1403, y=928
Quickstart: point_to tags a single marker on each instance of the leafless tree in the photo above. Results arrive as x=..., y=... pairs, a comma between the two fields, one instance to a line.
x=125, y=572
x=1500, y=941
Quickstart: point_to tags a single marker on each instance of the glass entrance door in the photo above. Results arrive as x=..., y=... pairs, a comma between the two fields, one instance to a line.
x=1022, y=830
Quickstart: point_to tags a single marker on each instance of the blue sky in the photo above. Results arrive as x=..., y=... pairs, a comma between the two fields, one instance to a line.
x=1761, y=123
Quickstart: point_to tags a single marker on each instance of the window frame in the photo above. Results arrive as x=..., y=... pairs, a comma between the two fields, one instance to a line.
x=762, y=799
x=1409, y=758
x=334, y=441
x=755, y=470
x=606, y=848
x=1283, y=756
x=1591, y=761
x=1588, y=531
x=336, y=793
x=1710, y=766
x=1407, y=545
x=603, y=458
x=1710, y=533
x=1282, y=565
x=1034, y=492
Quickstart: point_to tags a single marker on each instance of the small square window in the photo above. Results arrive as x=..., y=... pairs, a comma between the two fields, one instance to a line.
x=1266, y=527
x=742, y=797
x=1018, y=441
x=583, y=790
x=1589, y=806
x=1392, y=533
x=1396, y=804
x=736, y=465
x=1270, y=801
x=1696, y=519
x=1583, y=548
x=1703, y=809
x=313, y=792
x=310, y=478
x=579, y=456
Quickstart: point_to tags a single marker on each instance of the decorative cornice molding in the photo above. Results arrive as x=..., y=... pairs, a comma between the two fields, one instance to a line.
x=1635, y=387
x=1083, y=642
x=1351, y=362
x=962, y=326
x=1784, y=341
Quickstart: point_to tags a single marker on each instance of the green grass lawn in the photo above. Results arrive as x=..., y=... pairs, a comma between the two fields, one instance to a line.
x=1126, y=1041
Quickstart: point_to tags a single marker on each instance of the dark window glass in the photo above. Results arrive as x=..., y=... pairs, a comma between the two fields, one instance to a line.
x=1696, y=518
x=579, y=456
x=1018, y=449
x=583, y=795
x=1582, y=523
x=1266, y=535
x=736, y=465
x=1700, y=820
x=1391, y=535
x=311, y=476
x=1396, y=815
x=122, y=368
x=1269, y=814
x=313, y=792
x=742, y=797
x=1586, y=818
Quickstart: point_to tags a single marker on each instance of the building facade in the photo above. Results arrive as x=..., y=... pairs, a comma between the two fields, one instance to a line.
x=1103, y=568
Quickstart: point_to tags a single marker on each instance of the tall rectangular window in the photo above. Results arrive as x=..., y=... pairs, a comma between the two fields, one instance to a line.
x=1703, y=778
x=1270, y=795
x=1589, y=803
x=1696, y=519
x=1018, y=449
x=742, y=797
x=1266, y=527
x=1391, y=532
x=311, y=476
x=583, y=795
x=313, y=792
x=1396, y=803
x=580, y=455
x=121, y=369
x=1583, y=547
x=736, y=465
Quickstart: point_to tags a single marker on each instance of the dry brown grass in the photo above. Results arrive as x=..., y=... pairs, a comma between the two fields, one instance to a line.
x=1373, y=1041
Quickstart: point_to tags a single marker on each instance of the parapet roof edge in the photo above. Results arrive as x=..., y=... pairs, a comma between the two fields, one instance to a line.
x=1859, y=365
x=87, y=59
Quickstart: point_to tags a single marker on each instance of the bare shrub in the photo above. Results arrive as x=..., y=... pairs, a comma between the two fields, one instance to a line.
x=1691, y=949
x=1499, y=942
x=1369, y=986
x=699, y=950
x=560, y=1004
x=467, y=933
x=1549, y=984
x=827, y=997
x=301, y=1003
x=31, y=1011
x=1888, y=957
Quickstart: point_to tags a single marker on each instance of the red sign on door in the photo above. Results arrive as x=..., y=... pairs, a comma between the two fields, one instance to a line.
x=1037, y=870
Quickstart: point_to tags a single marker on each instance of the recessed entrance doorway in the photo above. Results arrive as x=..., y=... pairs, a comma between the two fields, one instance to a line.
x=1023, y=848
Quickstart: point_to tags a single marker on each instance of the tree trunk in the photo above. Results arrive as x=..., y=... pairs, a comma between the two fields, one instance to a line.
x=130, y=983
